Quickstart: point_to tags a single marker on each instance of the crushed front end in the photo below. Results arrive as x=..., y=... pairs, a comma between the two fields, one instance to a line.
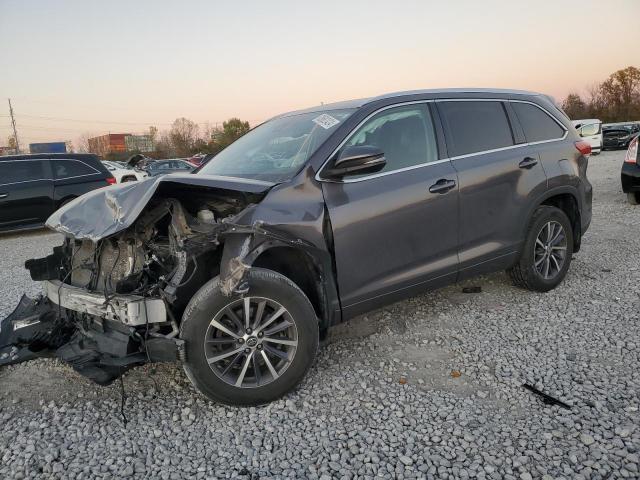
x=131, y=259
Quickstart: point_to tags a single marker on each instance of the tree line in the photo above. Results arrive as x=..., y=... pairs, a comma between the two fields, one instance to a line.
x=617, y=99
x=184, y=139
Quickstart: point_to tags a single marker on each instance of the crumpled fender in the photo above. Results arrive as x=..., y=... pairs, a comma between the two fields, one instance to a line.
x=244, y=244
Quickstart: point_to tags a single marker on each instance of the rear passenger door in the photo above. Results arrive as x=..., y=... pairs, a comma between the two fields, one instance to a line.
x=25, y=193
x=544, y=134
x=498, y=175
x=73, y=177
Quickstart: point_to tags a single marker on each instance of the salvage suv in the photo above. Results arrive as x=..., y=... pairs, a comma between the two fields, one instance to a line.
x=313, y=217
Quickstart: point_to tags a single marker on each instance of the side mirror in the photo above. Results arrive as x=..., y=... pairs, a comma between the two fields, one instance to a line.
x=357, y=160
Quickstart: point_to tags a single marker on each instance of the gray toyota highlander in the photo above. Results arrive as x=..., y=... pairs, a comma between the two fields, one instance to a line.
x=239, y=269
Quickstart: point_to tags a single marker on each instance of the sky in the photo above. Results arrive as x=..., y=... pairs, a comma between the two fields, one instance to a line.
x=87, y=67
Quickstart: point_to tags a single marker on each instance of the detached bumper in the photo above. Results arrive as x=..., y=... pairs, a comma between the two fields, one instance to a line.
x=132, y=310
x=32, y=330
x=102, y=348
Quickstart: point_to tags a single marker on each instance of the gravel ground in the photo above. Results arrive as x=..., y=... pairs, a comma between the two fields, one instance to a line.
x=426, y=388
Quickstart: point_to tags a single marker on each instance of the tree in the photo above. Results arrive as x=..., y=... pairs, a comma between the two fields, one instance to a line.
x=11, y=142
x=574, y=106
x=620, y=90
x=82, y=143
x=231, y=130
x=183, y=135
x=153, y=133
x=617, y=99
x=164, y=147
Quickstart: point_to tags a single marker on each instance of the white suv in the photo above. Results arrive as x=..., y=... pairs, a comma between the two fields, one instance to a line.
x=591, y=130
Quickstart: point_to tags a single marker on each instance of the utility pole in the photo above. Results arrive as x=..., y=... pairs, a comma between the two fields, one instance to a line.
x=13, y=122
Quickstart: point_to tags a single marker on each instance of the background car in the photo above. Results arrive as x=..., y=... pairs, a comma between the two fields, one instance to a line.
x=619, y=135
x=162, y=167
x=630, y=175
x=123, y=172
x=32, y=187
x=591, y=130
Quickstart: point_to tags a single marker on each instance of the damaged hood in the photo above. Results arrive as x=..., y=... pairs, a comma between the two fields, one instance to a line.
x=109, y=210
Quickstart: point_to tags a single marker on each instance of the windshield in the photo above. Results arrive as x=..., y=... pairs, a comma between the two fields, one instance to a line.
x=276, y=150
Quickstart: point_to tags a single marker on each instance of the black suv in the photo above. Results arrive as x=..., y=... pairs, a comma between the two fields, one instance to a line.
x=619, y=135
x=313, y=217
x=32, y=187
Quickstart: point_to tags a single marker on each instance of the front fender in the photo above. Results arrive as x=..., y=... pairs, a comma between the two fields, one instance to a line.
x=243, y=245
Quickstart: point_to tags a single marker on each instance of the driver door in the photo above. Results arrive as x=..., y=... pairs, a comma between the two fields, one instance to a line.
x=395, y=231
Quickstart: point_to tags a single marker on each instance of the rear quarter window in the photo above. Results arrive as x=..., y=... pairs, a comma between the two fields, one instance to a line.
x=537, y=124
x=15, y=171
x=475, y=126
x=71, y=168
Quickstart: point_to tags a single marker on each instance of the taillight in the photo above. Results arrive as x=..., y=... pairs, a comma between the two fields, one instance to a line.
x=111, y=180
x=583, y=147
x=632, y=152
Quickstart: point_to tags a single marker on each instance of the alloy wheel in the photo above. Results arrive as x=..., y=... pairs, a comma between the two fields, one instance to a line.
x=251, y=342
x=550, y=250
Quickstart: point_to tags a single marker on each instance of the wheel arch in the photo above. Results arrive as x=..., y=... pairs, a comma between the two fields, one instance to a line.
x=308, y=267
x=566, y=199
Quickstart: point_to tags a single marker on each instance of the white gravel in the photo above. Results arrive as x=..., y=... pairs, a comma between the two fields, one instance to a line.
x=352, y=417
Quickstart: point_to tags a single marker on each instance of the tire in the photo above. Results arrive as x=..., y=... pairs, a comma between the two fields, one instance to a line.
x=525, y=273
x=633, y=198
x=209, y=305
x=128, y=178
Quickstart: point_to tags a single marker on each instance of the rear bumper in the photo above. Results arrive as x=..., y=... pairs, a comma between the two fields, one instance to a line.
x=132, y=310
x=630, y=177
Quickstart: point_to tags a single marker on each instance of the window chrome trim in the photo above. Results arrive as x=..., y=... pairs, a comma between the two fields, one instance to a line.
x=48, y=179
x=355, y=129
x=442, y=160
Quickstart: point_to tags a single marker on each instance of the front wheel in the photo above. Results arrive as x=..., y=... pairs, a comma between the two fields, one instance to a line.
x=547, y=251
x=249, y=349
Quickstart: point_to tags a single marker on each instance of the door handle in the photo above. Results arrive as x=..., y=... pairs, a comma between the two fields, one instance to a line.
x=528, y=162
x=3, y=195
x=442, y=186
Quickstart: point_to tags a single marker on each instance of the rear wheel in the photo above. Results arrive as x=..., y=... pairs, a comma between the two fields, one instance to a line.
x=251, y=349
x=633, y=198
x=128, y=178
x=547, y=251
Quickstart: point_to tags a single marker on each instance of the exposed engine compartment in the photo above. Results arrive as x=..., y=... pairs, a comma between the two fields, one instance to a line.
x=114, y=302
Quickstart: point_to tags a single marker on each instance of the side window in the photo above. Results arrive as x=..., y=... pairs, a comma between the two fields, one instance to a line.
x=405, y=134
x=591, y=129
x=475, y=126
x=537, y=124
x=70, y=168
x=15, y=171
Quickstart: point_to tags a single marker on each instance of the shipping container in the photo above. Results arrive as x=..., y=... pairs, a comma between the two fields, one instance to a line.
x=48, y=147
x=109, y=143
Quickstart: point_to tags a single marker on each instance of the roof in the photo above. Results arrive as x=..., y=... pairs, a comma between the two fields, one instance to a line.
x=357, y=103
x=48, y=155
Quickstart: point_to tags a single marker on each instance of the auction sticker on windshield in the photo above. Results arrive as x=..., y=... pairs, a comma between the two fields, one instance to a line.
x=326, y=121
